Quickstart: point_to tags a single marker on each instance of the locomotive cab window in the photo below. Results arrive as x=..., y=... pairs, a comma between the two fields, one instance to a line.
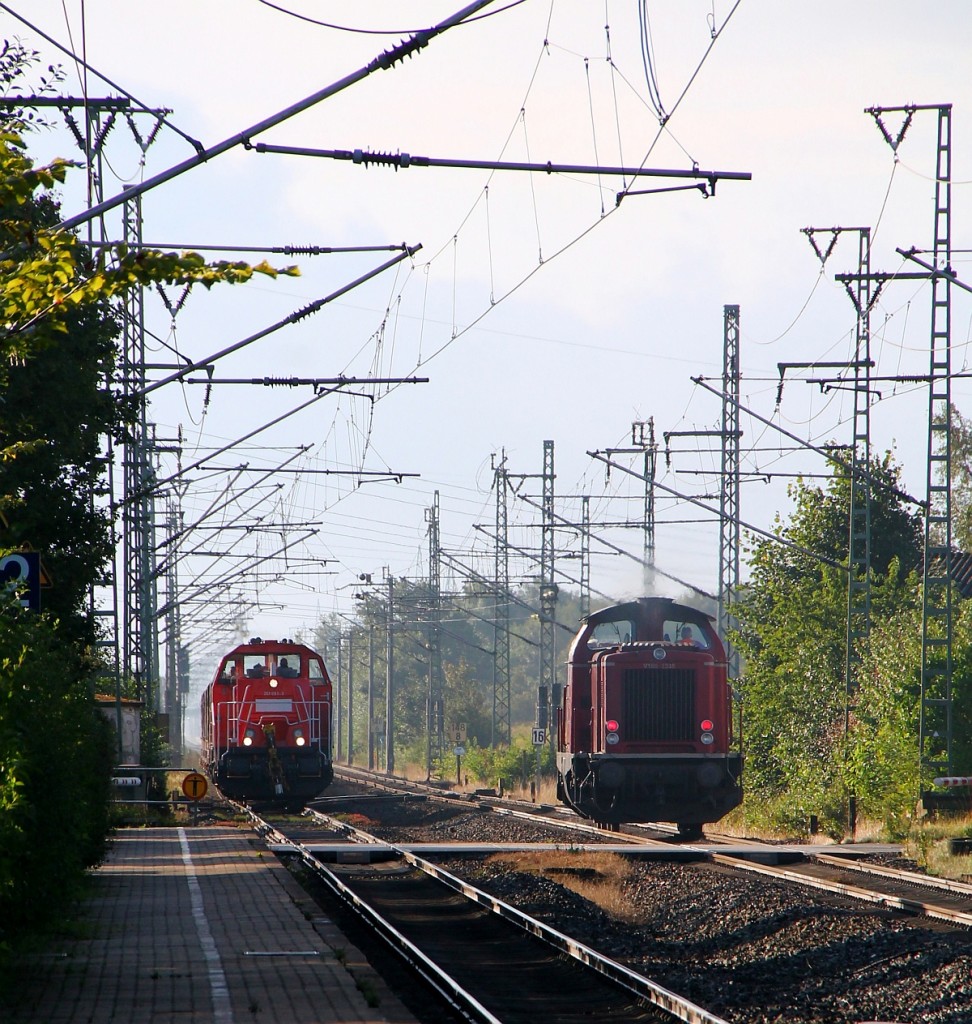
x=287, y=666
x=314, y=669
x=609, y=634
x=254, y=666
x=690, y=634
x=228, y=673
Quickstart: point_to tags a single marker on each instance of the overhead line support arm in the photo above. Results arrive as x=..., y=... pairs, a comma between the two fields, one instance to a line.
x=382, y=62
x=946, y=272
x=715, y=512
x=806, y=444
x=404, y=160
x=292, y=319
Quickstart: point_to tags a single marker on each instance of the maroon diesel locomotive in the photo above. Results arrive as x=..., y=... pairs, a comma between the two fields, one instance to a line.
x=266, y=723
x=645, y=726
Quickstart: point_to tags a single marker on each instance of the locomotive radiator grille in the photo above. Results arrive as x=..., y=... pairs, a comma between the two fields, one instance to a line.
x=659, y=705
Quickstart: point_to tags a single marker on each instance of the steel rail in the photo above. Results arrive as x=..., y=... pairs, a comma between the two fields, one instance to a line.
x=896, y=874
x=860, y=893
x=853, y=891
x=392, y=785
x=446, y=986
x=637, y=984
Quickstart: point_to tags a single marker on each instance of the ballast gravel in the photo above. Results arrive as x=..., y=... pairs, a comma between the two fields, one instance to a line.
x=750, y=950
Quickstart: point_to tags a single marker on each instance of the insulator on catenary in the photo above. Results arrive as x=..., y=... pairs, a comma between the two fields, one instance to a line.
x=306, y=250
x=395, y=160
x=405, y=48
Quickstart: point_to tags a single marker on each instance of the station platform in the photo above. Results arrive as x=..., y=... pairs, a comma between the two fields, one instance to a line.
x=199, y=925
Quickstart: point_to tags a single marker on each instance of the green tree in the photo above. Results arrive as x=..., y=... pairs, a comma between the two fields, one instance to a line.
x=792, y=631
x=57, y=331
x=56, y=753
x=58, y=348
x=960, y=439
x=883, y=756
x=466, y=648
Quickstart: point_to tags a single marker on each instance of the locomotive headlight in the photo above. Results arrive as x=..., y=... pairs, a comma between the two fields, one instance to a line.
x=299, y=737
x=707, y=738
x=248, y=738
x=273, y=682
x=612, y=738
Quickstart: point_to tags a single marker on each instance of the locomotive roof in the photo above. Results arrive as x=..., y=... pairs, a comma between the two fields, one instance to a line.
x=637, y=608
x=257, y=645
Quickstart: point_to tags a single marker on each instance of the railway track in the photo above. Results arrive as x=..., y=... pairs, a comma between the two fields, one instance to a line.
x=741, y=946
x=484, y=958
x=843, y=874
x=912, y=893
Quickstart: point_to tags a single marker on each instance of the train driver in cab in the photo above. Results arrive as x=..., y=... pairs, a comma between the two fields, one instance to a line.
x=688, y=637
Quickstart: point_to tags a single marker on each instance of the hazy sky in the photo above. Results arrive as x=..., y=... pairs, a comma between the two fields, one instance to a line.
x=537, y=306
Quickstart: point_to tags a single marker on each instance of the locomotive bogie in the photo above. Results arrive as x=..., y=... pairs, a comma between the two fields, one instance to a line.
x=250, y=776
x=687, y=790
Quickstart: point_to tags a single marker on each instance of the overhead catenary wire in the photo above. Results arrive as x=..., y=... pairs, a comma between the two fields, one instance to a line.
x=384, y=61
x=491, y=291
x=293, y=318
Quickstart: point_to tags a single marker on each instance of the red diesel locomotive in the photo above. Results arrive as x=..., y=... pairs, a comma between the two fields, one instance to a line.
x=645, y=729
x=266, y=723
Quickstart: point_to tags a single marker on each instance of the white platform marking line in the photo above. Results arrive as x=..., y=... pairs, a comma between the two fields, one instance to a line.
x=222, y=1008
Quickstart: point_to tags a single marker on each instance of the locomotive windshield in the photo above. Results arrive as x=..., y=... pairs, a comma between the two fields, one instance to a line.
x=608, y=634
x=254, y=666
x=688, y=633
x=286, y=666
x=625, y=631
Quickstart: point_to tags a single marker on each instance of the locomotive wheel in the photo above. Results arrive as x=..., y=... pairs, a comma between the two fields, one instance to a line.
x=690, y=832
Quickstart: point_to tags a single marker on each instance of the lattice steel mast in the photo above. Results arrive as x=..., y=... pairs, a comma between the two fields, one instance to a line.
x=859, y=535
x=501, y=725
x=435, y=711
x=863, y=294
x=935, y=728
x=548, y=586
x=729, y=513
x=645, y=439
